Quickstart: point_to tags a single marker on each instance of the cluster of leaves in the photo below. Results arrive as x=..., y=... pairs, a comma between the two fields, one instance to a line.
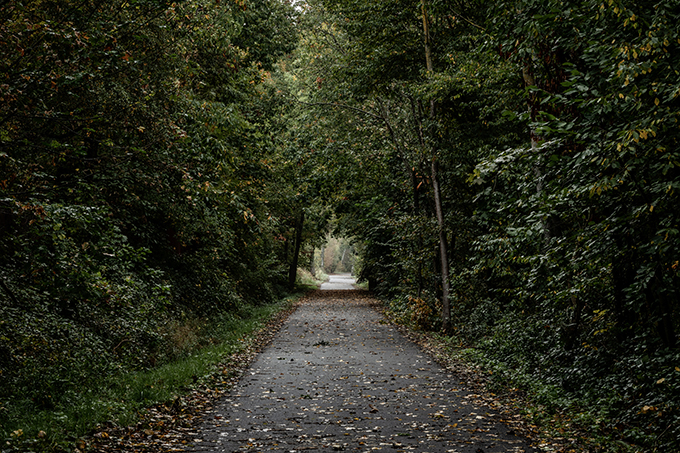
x=555, y=129
x=580, y=230
x=137, y=191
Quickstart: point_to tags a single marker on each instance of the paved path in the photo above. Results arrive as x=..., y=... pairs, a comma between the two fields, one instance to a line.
x=339, y=281
x=338, y=378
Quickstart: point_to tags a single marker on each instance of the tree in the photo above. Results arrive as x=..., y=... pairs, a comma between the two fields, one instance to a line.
x=534, y=142
x=376, y=61
x=134, y=146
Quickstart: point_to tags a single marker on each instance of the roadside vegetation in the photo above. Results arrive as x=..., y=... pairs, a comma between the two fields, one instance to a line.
x=149, y=202
x=87, y=411
x=508, y=174
x=510, y=171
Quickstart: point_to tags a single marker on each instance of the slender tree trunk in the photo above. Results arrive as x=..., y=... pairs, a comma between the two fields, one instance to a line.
x=426, y=32
x=443, y=248
x=443, y=244
x=292, y=271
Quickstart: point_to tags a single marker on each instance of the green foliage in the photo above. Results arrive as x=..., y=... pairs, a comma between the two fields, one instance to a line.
x=120, y=398
x=554, y=125
x=161, y=162
x=136, y=141
x=576, y=246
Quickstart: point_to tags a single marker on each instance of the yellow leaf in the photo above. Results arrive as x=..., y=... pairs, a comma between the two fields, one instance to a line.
x=661, y=381
x=656, y=101
x=677, y=368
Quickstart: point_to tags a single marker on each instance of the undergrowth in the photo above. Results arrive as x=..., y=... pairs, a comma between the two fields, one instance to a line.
x=582, y=400
x=200, y=345
x=307, y=280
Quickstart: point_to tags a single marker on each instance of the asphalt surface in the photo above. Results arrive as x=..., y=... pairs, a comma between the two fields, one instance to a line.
x=339, y=281
x=339, y=378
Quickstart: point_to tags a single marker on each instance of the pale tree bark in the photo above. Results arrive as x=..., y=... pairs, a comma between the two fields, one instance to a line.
x=443, y=245
x=443, y=248
x=292, y=271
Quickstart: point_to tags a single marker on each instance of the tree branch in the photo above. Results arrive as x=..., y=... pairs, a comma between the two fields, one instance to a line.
x=467, y=20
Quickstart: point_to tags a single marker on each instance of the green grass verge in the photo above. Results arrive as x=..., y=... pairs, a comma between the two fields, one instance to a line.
x=362, y=285
x=119, y=399
x=306, y=281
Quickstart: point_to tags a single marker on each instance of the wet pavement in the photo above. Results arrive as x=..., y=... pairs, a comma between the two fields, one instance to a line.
x=339, y=378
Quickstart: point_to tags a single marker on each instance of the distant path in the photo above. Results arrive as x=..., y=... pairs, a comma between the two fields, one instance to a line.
x=338, y=378
x=339, y=281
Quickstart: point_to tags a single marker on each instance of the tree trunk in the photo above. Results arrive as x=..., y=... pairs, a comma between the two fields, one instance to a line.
x=443, y=248
x=292, y=271
x=426, y=32
x=443, y=244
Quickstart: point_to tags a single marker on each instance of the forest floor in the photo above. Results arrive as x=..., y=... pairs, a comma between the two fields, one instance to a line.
x=336, y=377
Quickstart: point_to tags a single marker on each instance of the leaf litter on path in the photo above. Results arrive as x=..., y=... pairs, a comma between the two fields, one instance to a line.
x=173, y=426
x=338, y=378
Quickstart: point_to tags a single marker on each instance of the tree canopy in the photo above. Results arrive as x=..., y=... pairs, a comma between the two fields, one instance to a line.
x=508, y=174
x=531, y=149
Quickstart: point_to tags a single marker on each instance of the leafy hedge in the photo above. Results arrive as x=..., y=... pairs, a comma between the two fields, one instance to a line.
x=548, y=133
x=134, y=184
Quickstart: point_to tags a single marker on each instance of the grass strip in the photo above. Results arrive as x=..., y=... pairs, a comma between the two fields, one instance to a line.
x=120, y=400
